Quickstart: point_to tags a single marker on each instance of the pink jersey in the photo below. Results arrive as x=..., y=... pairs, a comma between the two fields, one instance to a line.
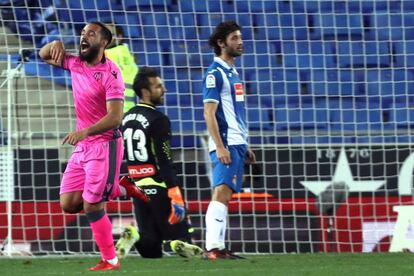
x=92, y=88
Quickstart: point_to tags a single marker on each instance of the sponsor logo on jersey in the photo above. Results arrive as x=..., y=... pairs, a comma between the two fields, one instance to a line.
x=210, y=81
x=238, y=88
x=140, y=171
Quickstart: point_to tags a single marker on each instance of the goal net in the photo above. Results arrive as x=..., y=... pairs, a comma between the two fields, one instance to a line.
x=328, y=88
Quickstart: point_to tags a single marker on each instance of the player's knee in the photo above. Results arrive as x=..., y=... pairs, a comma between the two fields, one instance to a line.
x=222, y=194
x=71, y=208
x=71, y=202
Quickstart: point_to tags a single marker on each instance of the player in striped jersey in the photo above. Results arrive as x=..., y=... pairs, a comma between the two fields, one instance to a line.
x=224, y=113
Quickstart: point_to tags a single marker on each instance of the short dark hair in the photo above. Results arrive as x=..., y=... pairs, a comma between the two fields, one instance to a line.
x=119, y=30
x=220, y=33
x=141, y=80
x=105, y=32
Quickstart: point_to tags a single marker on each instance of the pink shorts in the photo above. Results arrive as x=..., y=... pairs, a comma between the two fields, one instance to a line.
x=94, y=169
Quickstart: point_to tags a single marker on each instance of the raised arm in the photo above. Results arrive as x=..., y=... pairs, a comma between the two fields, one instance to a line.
x=53, y=53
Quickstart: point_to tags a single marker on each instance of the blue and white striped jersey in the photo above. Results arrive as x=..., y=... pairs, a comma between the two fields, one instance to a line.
x=222, y=85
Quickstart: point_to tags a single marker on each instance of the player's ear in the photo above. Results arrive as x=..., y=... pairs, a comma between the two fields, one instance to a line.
x=104, y=43
x=145, y=92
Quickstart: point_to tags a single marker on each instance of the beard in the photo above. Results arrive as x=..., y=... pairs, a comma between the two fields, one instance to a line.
x=235, y=53
x=90, y=54
x=157, y=100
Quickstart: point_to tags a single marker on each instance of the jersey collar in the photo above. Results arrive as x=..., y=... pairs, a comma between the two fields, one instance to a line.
x=146, y=105
x=222, y=63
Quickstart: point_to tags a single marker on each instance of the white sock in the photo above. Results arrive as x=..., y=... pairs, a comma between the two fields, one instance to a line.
x=216, y=221
x=122, y=190
x=113, y=261
x=222, y=237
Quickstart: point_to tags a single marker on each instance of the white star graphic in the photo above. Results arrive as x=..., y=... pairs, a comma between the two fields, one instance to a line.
x=343, y=174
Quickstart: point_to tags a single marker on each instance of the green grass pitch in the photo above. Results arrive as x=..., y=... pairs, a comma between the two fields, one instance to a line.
x=374, y=264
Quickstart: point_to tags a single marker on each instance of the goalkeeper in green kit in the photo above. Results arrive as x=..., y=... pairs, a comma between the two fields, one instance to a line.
x=146, y=133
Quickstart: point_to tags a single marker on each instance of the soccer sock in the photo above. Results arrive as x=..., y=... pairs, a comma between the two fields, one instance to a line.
x=102, y=232
x=113, y=261
x=216, y=225
x=222, y=236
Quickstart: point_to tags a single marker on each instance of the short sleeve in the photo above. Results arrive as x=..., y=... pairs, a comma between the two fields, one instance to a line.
x=114, y=85
x=212, y=85
x=68, y=61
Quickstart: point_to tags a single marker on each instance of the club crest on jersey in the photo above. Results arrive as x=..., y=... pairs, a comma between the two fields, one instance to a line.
x=97, y=76
x=238, y=88
x=210, y=81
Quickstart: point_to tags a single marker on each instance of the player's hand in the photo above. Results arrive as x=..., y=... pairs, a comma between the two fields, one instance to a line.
x=177, y=214
x=74, y=137
x=223, y=155
x=250, y=157
x=57, y=51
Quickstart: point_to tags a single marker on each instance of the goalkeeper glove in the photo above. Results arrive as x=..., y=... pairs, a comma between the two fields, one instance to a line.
x=177, y=214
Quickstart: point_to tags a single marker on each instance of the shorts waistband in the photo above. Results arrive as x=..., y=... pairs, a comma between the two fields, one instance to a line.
x=88, y=144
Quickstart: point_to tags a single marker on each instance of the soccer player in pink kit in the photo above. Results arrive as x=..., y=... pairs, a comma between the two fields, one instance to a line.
x=91, y=176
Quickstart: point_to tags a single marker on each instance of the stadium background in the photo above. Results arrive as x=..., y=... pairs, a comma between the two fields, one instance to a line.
x=328, y=87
